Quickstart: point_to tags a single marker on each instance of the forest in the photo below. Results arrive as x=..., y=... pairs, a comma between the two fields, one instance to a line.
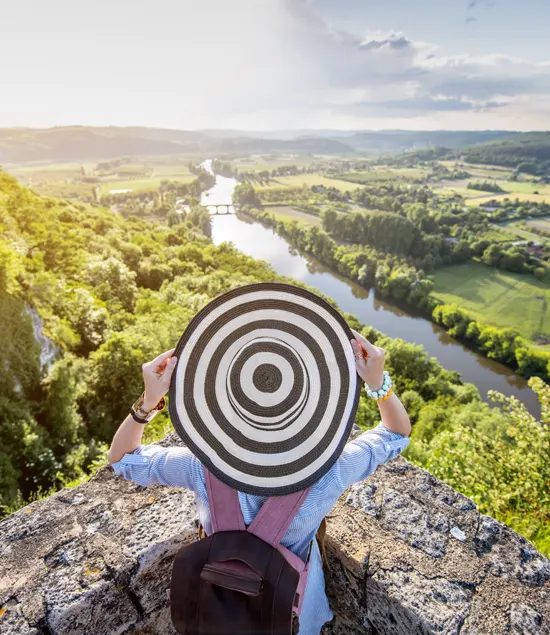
x=530, y=151
x=112, y=292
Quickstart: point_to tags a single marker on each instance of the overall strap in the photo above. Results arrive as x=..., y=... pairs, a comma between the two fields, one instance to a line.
x=275, y=516
x=225, y=509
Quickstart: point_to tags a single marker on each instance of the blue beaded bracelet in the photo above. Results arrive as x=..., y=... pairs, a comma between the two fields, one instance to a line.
x=384, y=391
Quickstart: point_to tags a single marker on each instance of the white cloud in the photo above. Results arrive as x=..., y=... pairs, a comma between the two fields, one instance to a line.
x=387, y=74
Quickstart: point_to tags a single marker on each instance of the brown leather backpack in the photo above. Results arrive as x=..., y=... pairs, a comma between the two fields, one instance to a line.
x=238, y=580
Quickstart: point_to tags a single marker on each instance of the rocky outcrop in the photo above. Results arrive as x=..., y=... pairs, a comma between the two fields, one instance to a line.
x=408, y=556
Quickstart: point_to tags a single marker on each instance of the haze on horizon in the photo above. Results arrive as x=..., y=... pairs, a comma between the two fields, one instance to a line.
x=277, y=64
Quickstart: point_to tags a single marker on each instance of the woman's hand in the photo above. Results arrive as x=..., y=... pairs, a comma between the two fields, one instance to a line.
x=156, y=377
x=369, y=361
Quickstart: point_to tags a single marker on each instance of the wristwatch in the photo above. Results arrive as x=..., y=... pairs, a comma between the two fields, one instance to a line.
x=143, y=416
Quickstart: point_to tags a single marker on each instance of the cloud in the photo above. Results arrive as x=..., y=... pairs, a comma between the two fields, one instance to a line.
x=395, y=43
x=389, y=74
x=476, y=3
x=471, y=18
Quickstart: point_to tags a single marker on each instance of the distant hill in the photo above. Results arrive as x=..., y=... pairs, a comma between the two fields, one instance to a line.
x=511, y=152
x=77, y=143
x=81, y=143
x=397, y=141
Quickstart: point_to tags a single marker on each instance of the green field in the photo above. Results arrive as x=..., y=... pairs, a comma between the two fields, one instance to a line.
x=143, y=185
x=534, y=198
x=64, y=180
x=62, y=172
x=478, y=170
x=308, y=180
x=497, y=234
x=453, y=190
x=543, y=224
x=496, y=297
x=284, y=211
x=524, y=187
x=514, y=228
x=260, y=163
x=64, y=190
x=383, y=173
x=173, y=171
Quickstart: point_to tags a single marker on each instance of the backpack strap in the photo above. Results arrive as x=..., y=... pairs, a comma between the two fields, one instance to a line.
x=225, y=509
x=276, y=514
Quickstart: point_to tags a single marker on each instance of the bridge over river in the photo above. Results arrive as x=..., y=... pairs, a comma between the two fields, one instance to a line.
x=221, y=208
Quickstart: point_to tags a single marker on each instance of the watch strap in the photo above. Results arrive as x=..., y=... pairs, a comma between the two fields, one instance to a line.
x=143, y=416
x=137, y=418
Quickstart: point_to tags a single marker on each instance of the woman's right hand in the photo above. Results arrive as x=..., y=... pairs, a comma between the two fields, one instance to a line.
x=156, y=377
x=369, y=361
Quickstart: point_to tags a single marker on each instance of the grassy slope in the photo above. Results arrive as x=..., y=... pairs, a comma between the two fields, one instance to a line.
x=497, y=297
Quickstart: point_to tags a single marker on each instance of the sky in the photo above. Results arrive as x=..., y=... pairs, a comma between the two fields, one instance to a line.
x=276, y=64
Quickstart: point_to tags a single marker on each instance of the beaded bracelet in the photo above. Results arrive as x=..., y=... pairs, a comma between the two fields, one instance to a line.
x=384, y=392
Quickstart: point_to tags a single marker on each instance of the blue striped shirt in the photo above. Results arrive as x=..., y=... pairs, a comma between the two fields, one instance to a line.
x=178, y=467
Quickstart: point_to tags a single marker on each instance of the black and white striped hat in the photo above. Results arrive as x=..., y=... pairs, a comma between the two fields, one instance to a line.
x=265, y=390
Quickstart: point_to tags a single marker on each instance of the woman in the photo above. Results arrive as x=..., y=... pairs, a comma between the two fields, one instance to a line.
x=178, y=467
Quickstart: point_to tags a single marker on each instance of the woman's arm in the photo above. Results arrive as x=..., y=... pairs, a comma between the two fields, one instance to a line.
x=156, y=377
x=371, y=370
x=394, y=416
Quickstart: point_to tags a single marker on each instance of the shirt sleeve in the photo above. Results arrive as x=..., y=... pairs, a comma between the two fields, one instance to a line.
x=360, y=459
x=153, y=464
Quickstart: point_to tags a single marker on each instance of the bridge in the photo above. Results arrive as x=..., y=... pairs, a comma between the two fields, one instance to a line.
x=222, y=208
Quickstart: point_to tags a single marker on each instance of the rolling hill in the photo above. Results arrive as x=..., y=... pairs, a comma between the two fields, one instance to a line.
x=526, y=147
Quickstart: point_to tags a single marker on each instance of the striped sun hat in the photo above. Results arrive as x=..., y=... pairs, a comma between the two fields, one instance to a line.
x=265, y=390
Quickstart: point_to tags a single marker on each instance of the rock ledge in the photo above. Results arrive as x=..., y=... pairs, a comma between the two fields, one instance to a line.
x=408, y=556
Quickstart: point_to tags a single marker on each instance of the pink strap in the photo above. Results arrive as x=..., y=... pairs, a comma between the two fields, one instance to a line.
x=271, y=522
x=275, y=516
x=225, y=509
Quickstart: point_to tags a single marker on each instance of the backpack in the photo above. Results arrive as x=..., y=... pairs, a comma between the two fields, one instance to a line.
x=239, y=580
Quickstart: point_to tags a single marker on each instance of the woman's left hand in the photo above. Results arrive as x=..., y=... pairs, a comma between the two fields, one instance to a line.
x=156, y=377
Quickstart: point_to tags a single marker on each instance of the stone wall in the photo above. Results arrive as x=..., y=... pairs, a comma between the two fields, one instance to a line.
x=408, y=556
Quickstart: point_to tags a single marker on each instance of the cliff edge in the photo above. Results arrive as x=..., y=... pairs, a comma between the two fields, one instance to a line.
x=408, y=556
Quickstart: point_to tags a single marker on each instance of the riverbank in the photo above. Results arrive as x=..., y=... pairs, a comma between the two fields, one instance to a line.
x=503, y=345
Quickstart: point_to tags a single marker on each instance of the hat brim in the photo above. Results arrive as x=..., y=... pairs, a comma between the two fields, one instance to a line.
x=265, y=390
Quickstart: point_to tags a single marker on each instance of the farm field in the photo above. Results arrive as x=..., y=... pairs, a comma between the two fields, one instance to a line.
x=514, y=228
x=498, y=234
x=309, y=180
x=47, y=173
x=384, y=173
x=144, y=185
x=450, y=190
x=479, y=170
x=496, y=297
x=70, y=190
x=259, y=163
x=542, y=224
x=64, y=180
x=525, y=187
x=533, y=198
x=284, y=211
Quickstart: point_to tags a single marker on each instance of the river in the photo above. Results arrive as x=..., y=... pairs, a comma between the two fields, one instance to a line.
x=263, y=243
